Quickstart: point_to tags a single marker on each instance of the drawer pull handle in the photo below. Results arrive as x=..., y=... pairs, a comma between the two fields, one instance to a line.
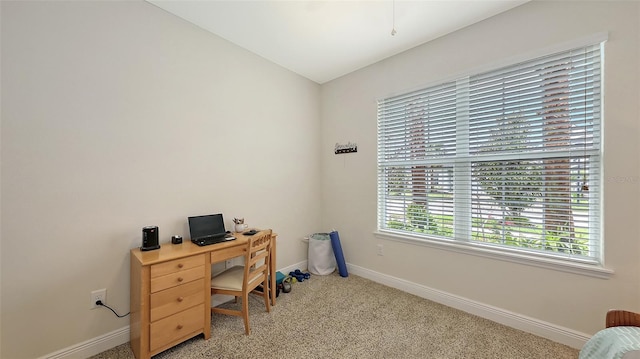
x=180, y=299
x=179, y=326
x=180, y=279
x=180, y=265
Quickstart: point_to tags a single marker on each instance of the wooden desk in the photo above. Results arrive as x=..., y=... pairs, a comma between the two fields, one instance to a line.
x=171, y=292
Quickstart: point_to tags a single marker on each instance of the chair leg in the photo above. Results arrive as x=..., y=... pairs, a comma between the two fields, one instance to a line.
x=265, y=295
x=245, y=313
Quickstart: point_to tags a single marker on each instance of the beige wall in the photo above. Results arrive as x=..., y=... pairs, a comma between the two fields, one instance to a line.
x=118, y=115
x=109, y=111
x=572, y=301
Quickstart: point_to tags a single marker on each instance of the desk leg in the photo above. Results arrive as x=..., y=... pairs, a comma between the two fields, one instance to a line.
x=272, y=271
x=207, y=297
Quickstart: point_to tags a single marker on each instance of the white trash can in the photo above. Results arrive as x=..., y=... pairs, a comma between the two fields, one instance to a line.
x=321, y=260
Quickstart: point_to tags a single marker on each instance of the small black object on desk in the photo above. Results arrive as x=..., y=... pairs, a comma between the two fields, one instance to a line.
x=250, y=232
x=150, y=238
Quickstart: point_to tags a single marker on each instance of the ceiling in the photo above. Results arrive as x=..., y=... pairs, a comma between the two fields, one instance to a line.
x=323, y=40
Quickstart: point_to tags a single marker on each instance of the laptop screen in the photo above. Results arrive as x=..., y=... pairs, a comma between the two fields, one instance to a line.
x=201, y=226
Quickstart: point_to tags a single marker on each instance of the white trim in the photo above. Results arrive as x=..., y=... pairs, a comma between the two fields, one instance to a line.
x=92, y=346
x=587, y=269
x=392, y=136
x=120, y=336
x=534, y=326
x=550, y=331
x=300, y=265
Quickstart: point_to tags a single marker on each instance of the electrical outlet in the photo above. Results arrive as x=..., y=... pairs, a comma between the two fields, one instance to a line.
x=98, y=295
x=228, y=263
x=380, y=250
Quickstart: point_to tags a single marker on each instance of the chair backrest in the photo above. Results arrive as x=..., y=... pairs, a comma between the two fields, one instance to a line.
x=256, y=267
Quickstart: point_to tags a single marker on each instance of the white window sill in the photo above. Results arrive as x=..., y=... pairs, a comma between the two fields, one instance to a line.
x=591, y=269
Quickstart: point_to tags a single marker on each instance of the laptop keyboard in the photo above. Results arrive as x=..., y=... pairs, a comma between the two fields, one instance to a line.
x=213, y=239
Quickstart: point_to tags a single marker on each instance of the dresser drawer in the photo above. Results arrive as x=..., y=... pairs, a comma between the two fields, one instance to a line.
x=175, y=327
x=177, y=278
x=170, y=301
x=176, y=265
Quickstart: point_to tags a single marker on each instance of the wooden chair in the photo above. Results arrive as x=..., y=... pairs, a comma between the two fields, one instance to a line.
x=616, y=318
x=239, y=281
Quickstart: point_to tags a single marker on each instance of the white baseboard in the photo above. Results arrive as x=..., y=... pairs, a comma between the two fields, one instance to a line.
x=546, y=330
x=540, y=328
x=300, y=265
x=120, y=336
x=92, y=346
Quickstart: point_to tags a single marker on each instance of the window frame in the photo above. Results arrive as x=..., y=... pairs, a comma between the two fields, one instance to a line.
x=585, y=266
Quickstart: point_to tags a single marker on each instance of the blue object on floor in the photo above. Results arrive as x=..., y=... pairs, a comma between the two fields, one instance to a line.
x=337, y=251
x=298, y=275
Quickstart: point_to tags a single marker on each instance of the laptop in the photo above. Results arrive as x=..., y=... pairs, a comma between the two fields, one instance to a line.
x=208, y=229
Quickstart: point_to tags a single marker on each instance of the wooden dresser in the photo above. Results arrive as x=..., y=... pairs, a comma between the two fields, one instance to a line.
x=170, y=298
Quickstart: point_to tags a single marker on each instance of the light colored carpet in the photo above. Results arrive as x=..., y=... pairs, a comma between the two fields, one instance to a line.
x=334, y=317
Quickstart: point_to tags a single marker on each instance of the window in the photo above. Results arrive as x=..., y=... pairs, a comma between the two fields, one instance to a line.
x=508, y=159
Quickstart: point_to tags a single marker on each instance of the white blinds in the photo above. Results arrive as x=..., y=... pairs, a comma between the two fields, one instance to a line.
x=508, y=158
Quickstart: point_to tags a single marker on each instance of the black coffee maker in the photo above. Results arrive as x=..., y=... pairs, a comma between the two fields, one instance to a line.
x=150, y=238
